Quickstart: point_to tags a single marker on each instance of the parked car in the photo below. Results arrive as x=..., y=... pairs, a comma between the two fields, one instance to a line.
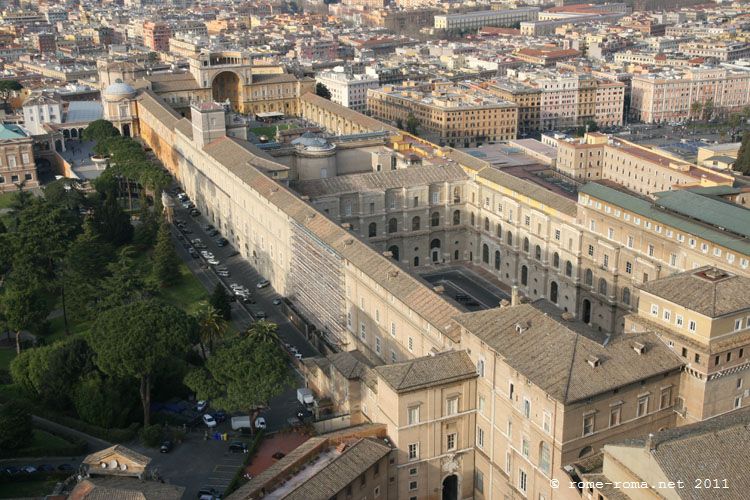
x=201, y=405
x=220, y=416
x=212, y=232
x=277, y=301
x=65, y=468
x=213, y=261
x=238, y=447
x=262, y=284
x=223, y=274
x=209, y=421
x=28, y=469
x=166, y=447
x=195, y=212
x=298, y=355
x=208, y=227
x=260, y=314
x=248, y=300
x=45, y=468
x=222, y=242
x=260, y=423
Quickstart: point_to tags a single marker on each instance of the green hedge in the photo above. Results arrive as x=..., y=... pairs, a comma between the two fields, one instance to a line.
x=37, y=476
x=238, y=479
x=73, y=447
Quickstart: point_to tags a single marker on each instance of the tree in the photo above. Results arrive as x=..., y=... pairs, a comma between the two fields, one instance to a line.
x=7, y=87
x=220, y=301
x=412, y=124
x=399, y=123
x=112, y=223
x=148, y=227
x=24, y=308
x=211, y=328
x=64, y=193
x=708, y=109
x=166, y=269
x=15, y=425
x=134, y=340
x=103, y=401
x=126, y=284
x=696, y=109
x=263, y=332
x=322, y=91
x=743, y=156
x=100, y=130
x=242, y=375
x=85, y=266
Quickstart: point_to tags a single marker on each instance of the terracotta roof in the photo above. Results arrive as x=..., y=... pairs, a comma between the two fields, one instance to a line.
x=351, y=364
x=96, y=458
x=233, y=152
x=419, y=373
x=124, y=488
x=707, y=290
x=555, y=354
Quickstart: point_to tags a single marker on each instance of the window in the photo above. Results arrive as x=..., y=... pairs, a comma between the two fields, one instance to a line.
x=411, y=344
x=415, y=222
x=393, y=329
x=377, y=344
x=480, y=367
x=392, y=225
x=650, y=250
x=605, y=263
x=481, y=404
x=435, y=197
x=456, y=217
x=526, y=408
x=678, y=320
x=591, y=250
x=692, y=325
x=435, y=219
x=508, y=462
x=738, y=324
x=510, y=390
x=522, y=480
x=654, y=309
x=451, y=405
x=509, y=430
x=665, y=401
x=614, y=416
x=642, y=406
x=628, y=267
x=630, y=242
x=557, y=234
x=393, y=356
x=738, y=402
x=414, y=451
x=362, y=332
x=376, y=492
x=413, y=471
x=479, y=481
x=544, y=457
x=450, y=441
x=413, y=415
x=588, y=425
x=480, y=437
x=547, y=422
x=525, y=446
x=412, y=485
x=667, y=314
x=568, y=268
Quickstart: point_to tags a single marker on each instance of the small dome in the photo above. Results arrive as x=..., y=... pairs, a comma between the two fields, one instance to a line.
x=119, y=89
x=312, y=142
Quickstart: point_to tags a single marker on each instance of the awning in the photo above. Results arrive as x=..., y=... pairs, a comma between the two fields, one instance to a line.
x=270, y=114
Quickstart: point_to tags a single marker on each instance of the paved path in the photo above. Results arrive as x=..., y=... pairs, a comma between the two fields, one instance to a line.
x=94, y=443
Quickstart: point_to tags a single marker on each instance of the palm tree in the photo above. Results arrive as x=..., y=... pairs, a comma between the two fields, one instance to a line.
x=263, y=331
x=211, y=327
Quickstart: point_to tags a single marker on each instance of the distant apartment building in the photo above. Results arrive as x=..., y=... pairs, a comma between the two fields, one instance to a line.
x=719, y=50
x=528, y=99
x=156, y=36
x=449, y=115
x=310, y=50
x=545, y=56
x=17, y=167
x=45, y=43
x=670, y=95
x=548, y=27
x=348, y=89
x=473, y=21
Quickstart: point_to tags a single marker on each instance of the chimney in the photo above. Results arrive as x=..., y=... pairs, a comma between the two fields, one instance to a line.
x=650, y=444
x=514, y=296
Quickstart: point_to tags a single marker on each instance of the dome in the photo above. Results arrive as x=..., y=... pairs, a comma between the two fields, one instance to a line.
x=312, y=142
x=119, y=89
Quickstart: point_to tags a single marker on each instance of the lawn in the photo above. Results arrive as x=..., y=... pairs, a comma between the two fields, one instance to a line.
x=188, y=293
x=269, y=131
x=25, y=489
x=44, y=439
x=6, y=199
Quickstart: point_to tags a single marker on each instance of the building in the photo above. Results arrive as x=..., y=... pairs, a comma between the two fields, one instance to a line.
x=682, y=94
x=45, y=43
x=348, y=89
x=473, y=21
x=718, y=50
x=528, y=99
x=41, y=109
x=452, y=115
x=17, y=167
x=156, y=36
x=664, y=464
x=545, y=56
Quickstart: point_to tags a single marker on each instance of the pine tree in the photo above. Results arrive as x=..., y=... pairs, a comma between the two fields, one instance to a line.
x=743, y=156
x=166, y=268
x=220, y=301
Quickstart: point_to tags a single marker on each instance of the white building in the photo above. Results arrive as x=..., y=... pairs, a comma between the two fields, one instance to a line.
x=348, y=89
x=39, y=110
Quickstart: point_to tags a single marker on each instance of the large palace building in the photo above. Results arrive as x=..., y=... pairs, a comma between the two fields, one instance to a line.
x=628, y=313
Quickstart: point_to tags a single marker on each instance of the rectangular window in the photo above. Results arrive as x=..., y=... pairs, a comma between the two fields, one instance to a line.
x=479, y=481
x=450, y=441
x=508, y=462
x=393, y=329
x=480, y=437
x=412, y=485
x=651, y=250
x=451, y=406
x=377, y=344
x=606, y=261
x=547, y=422
x=413, y=415
x=435, y=197
x=642, y=406
x=614, y=416
x=510, y=390
x=679, y=321
x=738, y=324
x=527, y=220
x=413, y=471
x=362, y=332
x=611, y=233
x=692, y=326
x=667, y=315
x=591, y=250
x=414, y=451
x=738, y=402
x=654, y=309
x=588, y=425
x=393, y=356
x=411, y=344
x=665, y=401
x=526, y=408
x=522, y=480
x=628, y=267
x=525, y=446
x=630, y=242
x=557, y=234
x=481, y=404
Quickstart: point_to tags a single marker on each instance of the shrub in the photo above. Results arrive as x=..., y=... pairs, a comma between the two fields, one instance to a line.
x=151, y=435
x=15, y=425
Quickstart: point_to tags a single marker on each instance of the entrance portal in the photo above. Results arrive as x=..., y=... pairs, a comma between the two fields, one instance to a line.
x=226, y=86
x=450, y=487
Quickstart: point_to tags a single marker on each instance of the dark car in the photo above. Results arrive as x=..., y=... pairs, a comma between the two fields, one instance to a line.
x=186, y=246
x=207, y=492
x=212, y=232
x=45, y=468
x=195, y=212
x=222, y=242
x=220, y=416
x=238, y=447
x=166, y=447
x=208, y=227
x=65, y=468
x=11, y=471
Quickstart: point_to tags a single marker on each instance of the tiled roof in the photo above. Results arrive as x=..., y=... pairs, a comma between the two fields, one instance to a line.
x=357, y=183
x=371, y=124
x=670, y=218
x=233, y=152
x=718, y=448
x=555, y=354
x=172, y=82
x=351, y=364
x=443, y=368
x=11, y=132
x=118, y=449
x=335, y=476
x=124, y=488
x=698, y=291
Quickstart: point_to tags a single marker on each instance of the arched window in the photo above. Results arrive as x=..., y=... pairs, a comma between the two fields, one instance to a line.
x=472, y=219
x=435, y=219
x=457, y=195
x=392, y=225
x=394, y=252
x=525, y=244
x=510, y=238
x=497, y=259
x=372, y=229
x=602, y=286
x=480, y=368
x=544, y=457
x=568, y=268
x=415, y=223
x=538, y=253
x=416, y=261
x=585, y=451
x=499, y=230
x=485, y=254
x=456, y=217
x=524, y=275
x=588, y=278
x=553, y=292
x=626, y=295
x=556, y=260
x=455, y=255
x=486, y=224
